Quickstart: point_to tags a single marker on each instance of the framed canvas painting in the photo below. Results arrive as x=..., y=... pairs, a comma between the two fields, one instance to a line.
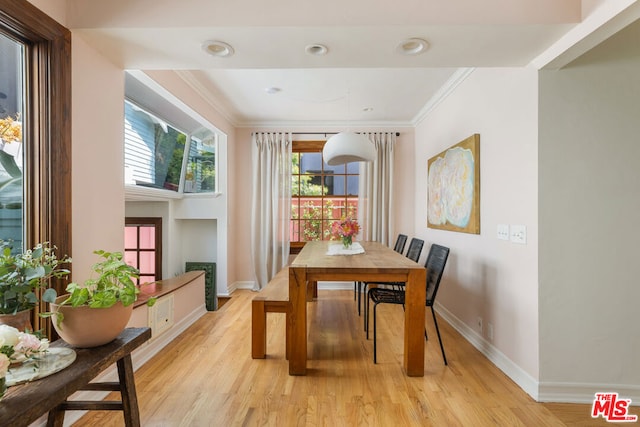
x=453, y=193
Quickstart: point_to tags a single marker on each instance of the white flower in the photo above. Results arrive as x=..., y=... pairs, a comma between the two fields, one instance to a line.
x=30, y=344
x=9, y=335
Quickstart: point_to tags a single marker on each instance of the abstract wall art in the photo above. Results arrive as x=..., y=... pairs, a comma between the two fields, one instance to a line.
x=453, y=193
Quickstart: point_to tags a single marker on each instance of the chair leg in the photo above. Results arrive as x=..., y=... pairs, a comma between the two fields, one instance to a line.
x=438, y=332
x=366, y=312
x=375, y=341
x=366, y=316
x=359, y=297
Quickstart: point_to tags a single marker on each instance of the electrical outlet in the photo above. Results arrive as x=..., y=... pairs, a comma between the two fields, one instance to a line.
x=490, y=331
x=519, y=234
x=503, y=231
x=480, y=325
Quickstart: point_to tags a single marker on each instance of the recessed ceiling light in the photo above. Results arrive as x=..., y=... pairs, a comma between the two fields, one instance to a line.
x=367, y=109
x=316, y=49
x=272, y=90
x=412, y=46
x=217, y=48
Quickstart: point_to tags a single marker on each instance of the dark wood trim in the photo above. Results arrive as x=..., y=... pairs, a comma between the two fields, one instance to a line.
x=47, y=206
x=307, y=146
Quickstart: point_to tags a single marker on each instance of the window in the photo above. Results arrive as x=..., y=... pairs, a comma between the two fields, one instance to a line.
x=165, y=146
x=46, y=126
x=11, y=147
x=200, y=175
x=320, y=193
x=143, y=247
x=153, y=149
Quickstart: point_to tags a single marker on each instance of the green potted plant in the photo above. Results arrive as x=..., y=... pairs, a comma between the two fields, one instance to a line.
x=104, y=301
x=23, y=277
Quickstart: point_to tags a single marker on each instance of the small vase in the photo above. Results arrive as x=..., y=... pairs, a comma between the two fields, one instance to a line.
x=347, y=241
x=21, y=320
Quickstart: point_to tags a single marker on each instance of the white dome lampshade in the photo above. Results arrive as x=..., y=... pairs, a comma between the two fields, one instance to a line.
x=348, y=147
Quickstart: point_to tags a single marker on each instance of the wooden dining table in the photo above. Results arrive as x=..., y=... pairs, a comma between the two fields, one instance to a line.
x=377, y=263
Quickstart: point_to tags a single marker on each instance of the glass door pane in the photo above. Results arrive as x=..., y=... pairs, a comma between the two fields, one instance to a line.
x=11, y=141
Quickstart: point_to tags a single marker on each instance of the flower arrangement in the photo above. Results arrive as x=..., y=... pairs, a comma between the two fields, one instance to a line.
x=345, y=229
x=17, y=347
x=22, y=275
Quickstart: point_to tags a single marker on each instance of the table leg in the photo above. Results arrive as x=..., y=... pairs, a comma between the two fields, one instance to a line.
x=297, y=320
x=312, y=290
x=414, y=323
x=128, y=392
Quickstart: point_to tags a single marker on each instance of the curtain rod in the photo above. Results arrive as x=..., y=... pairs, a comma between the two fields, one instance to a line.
x=328, y=133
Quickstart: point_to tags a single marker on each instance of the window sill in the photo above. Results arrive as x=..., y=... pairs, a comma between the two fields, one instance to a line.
x=136, y=193
x=208, y=195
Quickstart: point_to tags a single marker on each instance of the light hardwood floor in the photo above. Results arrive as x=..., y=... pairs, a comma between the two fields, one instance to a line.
x=206, y=377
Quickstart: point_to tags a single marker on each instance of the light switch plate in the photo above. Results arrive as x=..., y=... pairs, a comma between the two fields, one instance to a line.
x=503, y=231
x=519, y=234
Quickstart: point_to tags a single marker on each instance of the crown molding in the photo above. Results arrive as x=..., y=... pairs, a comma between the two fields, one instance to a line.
x=208, y=96
x=450, y=85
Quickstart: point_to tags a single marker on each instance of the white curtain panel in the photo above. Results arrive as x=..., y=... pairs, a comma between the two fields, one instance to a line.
x=376, y=190
x=271, y=205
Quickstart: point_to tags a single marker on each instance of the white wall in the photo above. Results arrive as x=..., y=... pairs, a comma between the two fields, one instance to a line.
x=589, y=202
x=485, y=277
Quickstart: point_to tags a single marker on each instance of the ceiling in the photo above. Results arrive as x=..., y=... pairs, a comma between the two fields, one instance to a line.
x=362, y=79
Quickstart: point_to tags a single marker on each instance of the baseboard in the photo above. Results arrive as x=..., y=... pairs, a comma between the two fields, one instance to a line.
x=585, y=393
x=138, y=358
x=525, y=381
x=541, y=392
x=246, y=284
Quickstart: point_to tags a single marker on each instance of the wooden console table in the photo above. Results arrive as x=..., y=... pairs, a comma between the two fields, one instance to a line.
x=25, y=403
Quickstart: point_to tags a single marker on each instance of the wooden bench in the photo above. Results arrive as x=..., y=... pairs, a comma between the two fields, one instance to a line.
x=273, y=298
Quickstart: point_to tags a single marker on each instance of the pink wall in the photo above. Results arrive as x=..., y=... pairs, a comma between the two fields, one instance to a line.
x=98, y=174
x=493, y=279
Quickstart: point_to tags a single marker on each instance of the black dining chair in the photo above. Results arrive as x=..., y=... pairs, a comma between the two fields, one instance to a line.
x=401, y=242
x=413, y=253
x=436, y=261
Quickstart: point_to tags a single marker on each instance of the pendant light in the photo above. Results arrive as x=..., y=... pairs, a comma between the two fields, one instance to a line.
x=346, y=147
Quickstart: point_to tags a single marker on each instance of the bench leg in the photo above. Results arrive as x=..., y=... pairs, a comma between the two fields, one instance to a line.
x=128, y=392
x=258, y=329
x=287, y=337
x=55, y=418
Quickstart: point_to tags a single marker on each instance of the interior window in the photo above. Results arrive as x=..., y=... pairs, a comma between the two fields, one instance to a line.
x=143, y=247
